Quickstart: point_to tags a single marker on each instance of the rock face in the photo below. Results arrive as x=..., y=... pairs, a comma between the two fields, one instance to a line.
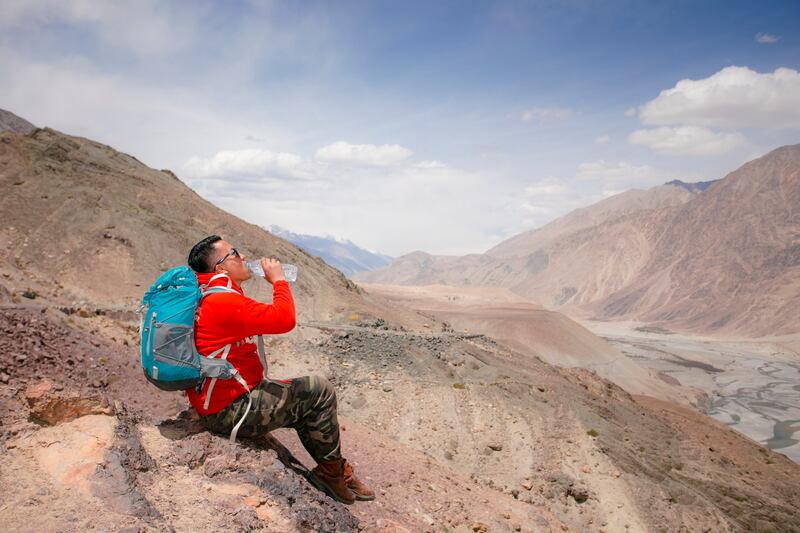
x=11, y=122
x=729, y=259
x=719, y=257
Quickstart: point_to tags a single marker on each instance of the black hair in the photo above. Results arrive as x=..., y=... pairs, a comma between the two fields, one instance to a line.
x=200, y=256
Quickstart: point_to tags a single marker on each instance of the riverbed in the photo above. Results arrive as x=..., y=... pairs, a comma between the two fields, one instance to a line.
x=752, y=385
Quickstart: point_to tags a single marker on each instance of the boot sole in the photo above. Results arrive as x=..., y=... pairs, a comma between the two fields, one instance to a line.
x=314, y=480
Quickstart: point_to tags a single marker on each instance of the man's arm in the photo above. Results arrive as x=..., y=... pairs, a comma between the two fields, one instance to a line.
x=250, y=317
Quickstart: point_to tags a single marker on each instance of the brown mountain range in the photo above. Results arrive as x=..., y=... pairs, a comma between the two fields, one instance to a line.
x=723, y=259
x=455, y=430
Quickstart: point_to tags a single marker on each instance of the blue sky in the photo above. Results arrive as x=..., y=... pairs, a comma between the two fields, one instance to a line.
x=440, y=126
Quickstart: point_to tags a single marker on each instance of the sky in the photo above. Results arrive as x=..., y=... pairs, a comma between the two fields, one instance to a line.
x=438, y=126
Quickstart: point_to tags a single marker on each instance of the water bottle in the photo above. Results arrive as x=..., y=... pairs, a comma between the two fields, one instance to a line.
x=289, y=271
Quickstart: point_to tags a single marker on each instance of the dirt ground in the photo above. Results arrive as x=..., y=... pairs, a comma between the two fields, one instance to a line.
x=455, y=431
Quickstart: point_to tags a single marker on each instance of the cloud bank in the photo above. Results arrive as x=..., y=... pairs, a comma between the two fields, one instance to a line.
x=734, y=97
x=251, y=163
x=687, y=140
x=363, y=154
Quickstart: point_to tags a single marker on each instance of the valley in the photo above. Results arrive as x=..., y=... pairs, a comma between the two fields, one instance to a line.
x=752, y=385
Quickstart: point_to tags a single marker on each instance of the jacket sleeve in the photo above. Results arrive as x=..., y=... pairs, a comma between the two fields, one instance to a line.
x=251, y=317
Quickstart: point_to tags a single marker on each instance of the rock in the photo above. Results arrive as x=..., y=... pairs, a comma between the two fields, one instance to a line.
x=578, y=493
x=496, y=446
x=358, y=402
x=38, y=391
x=50, y=409
x=527, y=485
x=479, y=527
x=387, y=388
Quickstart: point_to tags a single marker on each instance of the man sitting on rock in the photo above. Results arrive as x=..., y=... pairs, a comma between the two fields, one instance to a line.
x=227, y=326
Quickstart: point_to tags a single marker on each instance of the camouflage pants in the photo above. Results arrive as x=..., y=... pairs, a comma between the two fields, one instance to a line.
x=307, y=404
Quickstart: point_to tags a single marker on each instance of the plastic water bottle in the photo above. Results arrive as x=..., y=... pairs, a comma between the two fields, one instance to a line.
x=289, y=271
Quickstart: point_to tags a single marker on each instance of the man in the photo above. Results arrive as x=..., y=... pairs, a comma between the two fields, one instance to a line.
x=227, y=326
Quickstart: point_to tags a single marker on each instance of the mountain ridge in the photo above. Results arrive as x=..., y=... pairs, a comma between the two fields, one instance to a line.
x=590, y=261
x=343, y=255
x=453, y=429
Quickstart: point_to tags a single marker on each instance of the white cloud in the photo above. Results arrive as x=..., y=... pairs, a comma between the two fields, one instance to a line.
x=250, y=163
x=430, y=164
x=161, y=128
x=766, y=38
x=543, y=114
x=413, y=208
x=363, y=154
x=734, y=97
x=687, y=140
x=546, y=187
x=603, y=139
x=544, y=200
x=146, y=26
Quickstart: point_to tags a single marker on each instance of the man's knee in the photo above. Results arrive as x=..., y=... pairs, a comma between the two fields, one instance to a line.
x=323, y=388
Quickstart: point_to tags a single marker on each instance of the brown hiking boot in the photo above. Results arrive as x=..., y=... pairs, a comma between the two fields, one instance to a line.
x=328, y=476
x=359, y=490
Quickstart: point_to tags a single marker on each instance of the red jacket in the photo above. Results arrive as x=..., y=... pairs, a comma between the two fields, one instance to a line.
x=236, y=320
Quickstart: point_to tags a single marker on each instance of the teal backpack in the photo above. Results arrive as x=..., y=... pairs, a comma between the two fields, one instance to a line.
x=170, y=359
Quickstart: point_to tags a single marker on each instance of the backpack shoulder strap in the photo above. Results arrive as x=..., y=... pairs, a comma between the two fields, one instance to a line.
x=217, y=290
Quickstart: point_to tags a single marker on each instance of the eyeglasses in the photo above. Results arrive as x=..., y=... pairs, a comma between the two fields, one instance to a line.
x=233, y=251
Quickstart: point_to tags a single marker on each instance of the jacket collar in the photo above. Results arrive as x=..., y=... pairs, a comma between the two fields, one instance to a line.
x=214, y=279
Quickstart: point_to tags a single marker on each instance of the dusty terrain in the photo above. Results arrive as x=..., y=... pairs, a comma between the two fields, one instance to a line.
x=456, y=431
x=749, y=384
x=536, y=332
x=453, y=429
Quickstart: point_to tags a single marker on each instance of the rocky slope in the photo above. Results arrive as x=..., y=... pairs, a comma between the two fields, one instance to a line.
x=729, y=260
x=85, y=223
x=11, y=122
x=455, y=431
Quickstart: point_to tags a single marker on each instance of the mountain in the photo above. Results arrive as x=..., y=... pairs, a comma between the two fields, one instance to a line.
x=536, y=263
x=692, y=187
x=343, y=255
x=456, y=430
x=717, y=256
x=11, y=122
x=727, y=260
x=85, y=223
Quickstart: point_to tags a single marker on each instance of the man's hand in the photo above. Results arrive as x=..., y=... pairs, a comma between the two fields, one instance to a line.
x=272, y=269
